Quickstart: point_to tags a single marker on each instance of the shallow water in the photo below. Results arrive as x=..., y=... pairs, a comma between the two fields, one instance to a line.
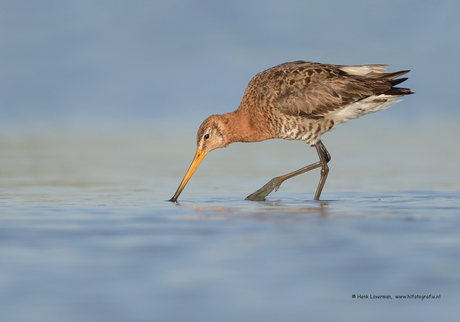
x=87, y=234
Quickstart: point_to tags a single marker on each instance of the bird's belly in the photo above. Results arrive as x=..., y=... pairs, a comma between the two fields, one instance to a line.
x=306, y=130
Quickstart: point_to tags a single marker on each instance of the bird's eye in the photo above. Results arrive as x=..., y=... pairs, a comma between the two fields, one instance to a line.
x=206, y=136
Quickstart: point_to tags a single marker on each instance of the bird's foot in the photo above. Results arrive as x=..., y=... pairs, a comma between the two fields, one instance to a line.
x=260, y=194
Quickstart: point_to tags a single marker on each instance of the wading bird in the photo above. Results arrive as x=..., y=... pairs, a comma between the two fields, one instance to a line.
x=298, y=101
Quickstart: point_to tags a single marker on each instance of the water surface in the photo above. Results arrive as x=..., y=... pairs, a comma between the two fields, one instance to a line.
x=87, y=233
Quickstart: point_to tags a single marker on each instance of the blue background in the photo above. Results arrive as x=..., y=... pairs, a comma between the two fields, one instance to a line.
x=158, y=63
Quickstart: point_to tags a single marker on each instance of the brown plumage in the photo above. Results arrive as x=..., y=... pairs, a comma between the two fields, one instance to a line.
x=298, y=101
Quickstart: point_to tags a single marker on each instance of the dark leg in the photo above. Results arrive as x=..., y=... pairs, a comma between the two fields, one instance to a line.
x=275, y=183
x=324, y=158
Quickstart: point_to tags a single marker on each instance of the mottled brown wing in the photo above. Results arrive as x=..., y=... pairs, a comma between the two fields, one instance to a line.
x=315, y=90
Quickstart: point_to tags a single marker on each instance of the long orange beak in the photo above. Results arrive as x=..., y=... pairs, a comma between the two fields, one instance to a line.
x=199, y=156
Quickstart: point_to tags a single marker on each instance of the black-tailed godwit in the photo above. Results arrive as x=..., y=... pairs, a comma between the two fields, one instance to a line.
x=298, y=101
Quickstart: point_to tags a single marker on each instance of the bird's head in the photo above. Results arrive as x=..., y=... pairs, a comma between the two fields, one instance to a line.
x=211, y=135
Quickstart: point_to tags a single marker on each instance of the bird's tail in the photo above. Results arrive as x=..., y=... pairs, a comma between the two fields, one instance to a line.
x=397, y=91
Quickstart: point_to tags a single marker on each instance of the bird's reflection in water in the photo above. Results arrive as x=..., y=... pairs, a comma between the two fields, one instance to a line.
x=267, y=211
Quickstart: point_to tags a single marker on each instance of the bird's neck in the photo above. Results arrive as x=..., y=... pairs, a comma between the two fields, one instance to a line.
x=241, y=127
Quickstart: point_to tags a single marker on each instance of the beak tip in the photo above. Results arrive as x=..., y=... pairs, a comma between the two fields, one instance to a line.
x=196, y=161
